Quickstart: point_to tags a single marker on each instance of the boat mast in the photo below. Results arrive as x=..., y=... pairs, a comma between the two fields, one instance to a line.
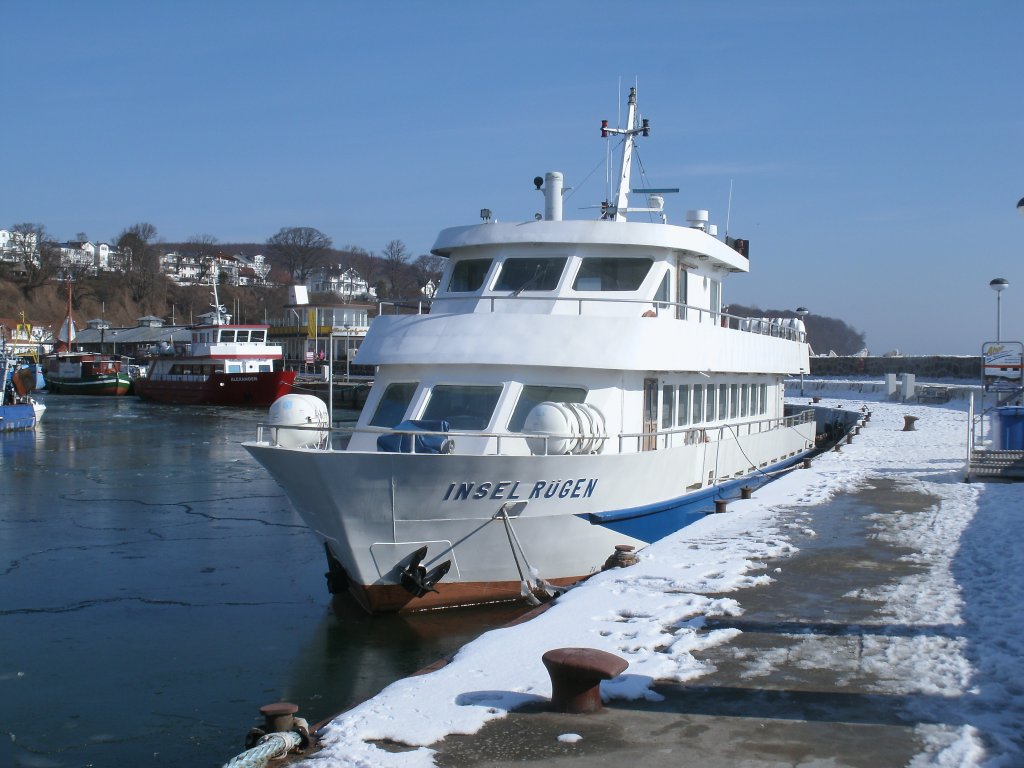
x=220, y=316
x=630, y=132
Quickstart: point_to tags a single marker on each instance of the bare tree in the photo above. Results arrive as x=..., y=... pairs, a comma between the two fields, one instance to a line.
x=202, y=248
x=365, y=263
x=38, y=255
x=142, y=265
x=427, y=269
x=396, y=267
x=299, y=250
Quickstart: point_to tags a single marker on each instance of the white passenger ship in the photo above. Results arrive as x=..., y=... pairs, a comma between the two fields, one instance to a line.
x=575, y=386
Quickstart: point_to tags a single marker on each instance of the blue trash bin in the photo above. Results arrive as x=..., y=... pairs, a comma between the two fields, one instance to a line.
x=1008, y=428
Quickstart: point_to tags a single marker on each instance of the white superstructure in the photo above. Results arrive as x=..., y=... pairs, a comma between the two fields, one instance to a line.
x=575, y=386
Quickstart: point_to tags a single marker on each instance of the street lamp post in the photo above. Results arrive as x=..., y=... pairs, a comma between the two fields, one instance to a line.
x=999, y=285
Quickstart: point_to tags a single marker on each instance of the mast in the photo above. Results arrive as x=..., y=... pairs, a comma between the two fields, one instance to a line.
x=220, y=315
x=630, y=132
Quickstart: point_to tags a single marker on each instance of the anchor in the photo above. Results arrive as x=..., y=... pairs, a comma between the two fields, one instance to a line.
x=337, y=578
x=415, y=577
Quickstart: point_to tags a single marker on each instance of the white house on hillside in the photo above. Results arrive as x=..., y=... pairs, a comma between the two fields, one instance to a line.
x=93, y=257
x=345, y=283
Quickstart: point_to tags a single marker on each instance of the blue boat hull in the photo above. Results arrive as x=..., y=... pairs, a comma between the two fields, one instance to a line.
x=12, y=417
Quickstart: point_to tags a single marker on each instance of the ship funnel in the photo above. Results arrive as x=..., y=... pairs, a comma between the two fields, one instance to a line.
x=553, y=196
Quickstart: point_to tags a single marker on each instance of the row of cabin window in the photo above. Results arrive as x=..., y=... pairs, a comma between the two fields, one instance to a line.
x=208, y=369
x=711, y=402
x=232, y=335
x=466, y=406
x=543, y=274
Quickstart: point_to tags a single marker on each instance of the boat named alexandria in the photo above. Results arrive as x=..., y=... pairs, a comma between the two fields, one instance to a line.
x=575, y=386
x=225, y=363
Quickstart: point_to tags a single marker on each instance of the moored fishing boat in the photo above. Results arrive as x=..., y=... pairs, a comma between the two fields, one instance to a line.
x=70, y=372
x=575, y=386
x=224, y=364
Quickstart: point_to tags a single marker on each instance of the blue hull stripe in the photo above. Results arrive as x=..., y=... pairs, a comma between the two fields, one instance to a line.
x=656, y=521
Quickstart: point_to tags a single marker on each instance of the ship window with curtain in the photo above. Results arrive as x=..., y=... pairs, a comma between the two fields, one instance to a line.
x=698, y=403
x=532, y=395
x=668, y=403
x=393, y=404
x=723, y=400
x=463, y=406
x=602, y=273
x=744, y=399
x=468, y=275
x=734, y=401
x=683, y=411
x=710, y=412
x=532, y=274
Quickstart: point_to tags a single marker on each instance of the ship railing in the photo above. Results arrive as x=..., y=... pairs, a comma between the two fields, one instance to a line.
x=494, y=443
x=790, y=328
x=709, y=433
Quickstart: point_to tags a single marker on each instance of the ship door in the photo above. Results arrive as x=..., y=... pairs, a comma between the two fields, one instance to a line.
x=650, y=438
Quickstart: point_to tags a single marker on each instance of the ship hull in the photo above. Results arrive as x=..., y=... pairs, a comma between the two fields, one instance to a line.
x=245, y=389
x=563, y=515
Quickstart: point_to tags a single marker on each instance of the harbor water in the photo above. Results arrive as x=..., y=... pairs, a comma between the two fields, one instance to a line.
x=157, y=589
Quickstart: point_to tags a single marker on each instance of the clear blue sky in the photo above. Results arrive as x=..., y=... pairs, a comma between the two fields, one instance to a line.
x=874, y=148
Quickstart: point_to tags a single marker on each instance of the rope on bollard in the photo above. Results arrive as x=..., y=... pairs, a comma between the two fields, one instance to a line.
x=270, y=747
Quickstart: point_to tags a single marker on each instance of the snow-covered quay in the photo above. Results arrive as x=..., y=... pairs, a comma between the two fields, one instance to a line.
x=950, y=630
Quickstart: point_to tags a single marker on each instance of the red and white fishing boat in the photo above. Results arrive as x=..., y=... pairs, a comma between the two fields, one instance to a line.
x=225, y=364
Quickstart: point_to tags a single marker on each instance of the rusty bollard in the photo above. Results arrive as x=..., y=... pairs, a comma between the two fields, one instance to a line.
x=815, y=399
x=807, y=463
x=576, y=675
x=857, y=430
x=849, y=438
x=622, y=557
x=720, y=505
x=908, y=423
x=279, y=716
x=746, y=492
x=838, y=448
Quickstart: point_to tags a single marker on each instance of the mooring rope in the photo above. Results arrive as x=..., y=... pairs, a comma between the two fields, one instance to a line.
x=532, y=580
x=270, y=747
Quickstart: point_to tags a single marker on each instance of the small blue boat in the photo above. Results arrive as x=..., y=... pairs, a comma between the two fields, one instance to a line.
x=18, y=410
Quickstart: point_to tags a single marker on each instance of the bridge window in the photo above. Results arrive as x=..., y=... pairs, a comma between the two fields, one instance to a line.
x=533, y=395
x=535, y=274
x=468, y=275
x=258, y=336
x=242, y=336
x=393, y=404
x=611, y=274
x=461, y=405
x=227, y=335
